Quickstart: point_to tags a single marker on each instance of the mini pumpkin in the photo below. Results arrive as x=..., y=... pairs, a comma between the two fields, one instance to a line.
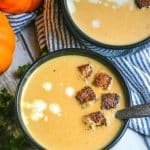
x=7, y=43
x=20, y=6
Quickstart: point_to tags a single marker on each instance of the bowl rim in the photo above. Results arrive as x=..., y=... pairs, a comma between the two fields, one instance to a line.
x=64, y=52
x=71, y=23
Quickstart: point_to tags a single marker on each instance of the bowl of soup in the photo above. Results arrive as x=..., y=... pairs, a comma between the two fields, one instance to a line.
x=112, y=24
x=67, y=100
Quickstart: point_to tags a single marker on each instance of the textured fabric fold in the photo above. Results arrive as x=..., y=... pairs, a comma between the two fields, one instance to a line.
x=19, y=22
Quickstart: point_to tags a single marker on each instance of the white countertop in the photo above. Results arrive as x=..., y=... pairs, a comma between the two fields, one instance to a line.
x=131, y=141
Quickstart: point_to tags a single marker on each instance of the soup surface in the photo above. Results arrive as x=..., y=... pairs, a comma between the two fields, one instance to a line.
x=53, y=116
x=115, y=22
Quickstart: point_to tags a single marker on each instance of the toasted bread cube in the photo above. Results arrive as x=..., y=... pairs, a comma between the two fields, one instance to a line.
x=86, y=70
x=110, y=100
x=143, y=3
x=94, y=119
x=102, y=80
x=85, y=95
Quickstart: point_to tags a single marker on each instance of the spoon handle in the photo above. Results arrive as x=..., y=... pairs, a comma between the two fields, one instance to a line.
x=137, y=111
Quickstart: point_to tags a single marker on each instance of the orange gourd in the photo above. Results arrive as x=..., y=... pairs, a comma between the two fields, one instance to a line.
x=19, y=6
x=7, y=43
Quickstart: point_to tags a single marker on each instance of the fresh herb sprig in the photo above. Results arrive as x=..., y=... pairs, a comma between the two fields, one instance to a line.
x=22, y=70
x=44, y=52
x=11, y=137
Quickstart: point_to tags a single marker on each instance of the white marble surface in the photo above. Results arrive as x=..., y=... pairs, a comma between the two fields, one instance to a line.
x=131, y=141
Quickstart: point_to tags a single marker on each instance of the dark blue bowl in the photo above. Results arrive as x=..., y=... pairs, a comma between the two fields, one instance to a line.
x=101, y=48
x=79, y=52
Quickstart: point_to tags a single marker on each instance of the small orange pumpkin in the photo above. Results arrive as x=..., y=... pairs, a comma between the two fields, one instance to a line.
x=7, y=43
x=20, y=6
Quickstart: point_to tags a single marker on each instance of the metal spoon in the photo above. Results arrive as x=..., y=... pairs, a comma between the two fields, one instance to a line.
x=137, y=111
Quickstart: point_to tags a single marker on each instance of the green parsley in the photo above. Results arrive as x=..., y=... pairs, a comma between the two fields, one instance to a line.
x=11, y=136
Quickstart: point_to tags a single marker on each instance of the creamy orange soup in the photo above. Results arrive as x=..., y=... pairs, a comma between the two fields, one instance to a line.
x=115, y=22
x=52, y=114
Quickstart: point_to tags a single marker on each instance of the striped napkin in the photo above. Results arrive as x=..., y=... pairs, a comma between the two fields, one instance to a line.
x=54, y=34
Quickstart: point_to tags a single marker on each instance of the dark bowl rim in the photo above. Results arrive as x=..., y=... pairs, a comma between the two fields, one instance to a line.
x=81, y=33
x=59, y=53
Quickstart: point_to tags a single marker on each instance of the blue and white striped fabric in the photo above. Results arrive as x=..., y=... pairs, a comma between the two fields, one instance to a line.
x=54, y=34
x=18, y=22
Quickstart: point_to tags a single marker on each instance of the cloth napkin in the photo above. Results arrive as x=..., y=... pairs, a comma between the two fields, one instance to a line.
x=53, y=34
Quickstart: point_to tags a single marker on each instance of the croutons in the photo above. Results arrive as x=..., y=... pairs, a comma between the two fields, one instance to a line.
x=102, y=80
x=86, y=70
x=110, y=100
x=86, y=95
x=143, y=3
x=94, y=120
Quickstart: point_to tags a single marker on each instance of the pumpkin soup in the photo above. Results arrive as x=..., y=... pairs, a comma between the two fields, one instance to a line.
x=52, y=104
x=113, y=22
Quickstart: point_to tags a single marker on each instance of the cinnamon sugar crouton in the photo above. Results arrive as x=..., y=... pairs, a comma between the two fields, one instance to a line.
x=86, y=95
x=143, y=3
x=102, y=80
x=110, y=100
x=94, y=120
x=86, y=70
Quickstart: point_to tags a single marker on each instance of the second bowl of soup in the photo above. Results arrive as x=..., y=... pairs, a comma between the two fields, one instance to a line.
x=109, y=23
